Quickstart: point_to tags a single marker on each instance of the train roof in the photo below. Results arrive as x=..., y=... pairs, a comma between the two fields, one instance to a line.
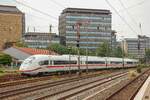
x=83, y=58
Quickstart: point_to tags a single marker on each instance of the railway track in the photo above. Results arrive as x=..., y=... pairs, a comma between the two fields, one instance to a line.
x=62, y=95
x=36, y=79
x=11, y=77
x=129, y=91
x=43, y=82
x=30, y=80
x=16, y=92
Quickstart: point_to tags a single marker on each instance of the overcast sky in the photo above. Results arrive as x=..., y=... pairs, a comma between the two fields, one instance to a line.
x=135, y=12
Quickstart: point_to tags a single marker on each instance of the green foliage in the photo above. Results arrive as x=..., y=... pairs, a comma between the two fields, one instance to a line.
x=1, y=70
x=73, y=50
x=131, y=56
x=139, y=69
x=5, y=59
x=82, y=51
x=59, y=48
x=147, y=53
x=117, y=52
x=103, y=50
x=91, y=53
x=147, y=56
x=20, y=44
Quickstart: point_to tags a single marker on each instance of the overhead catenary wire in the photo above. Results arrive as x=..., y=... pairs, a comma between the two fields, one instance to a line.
x=133, y=6
x=41, y=18
x=57, y=3
x=122, y=18
x=39, y=11
x=133, y=20
x=37, y=17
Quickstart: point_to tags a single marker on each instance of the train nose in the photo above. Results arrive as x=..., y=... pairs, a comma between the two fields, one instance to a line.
x=22, y=68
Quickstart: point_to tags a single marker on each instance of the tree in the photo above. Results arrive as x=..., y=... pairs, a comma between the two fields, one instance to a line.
x=147, y=55
x=131, y=56
x=104, y=50
x=20, y=44
x=5, y=59
x=73, y=50
x=117, y=52
x=59, y=48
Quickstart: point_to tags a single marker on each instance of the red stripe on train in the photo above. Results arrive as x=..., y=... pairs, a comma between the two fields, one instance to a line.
x=74, y=65
x=30, y=70
x=55, y=66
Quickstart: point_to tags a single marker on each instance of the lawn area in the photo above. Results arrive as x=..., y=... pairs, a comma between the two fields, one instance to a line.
x=5, y=71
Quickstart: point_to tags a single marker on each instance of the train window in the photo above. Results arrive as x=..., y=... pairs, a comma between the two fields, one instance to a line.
x=29, y=60
x=135, y=62
x=129, y=62
x=64, y=62
x=45, y=62
x=95, y=62
x=115, y=62
x=50, y=62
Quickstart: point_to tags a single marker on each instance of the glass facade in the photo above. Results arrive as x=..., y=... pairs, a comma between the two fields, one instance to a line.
x=40, y=40
x=93, y=33
x=136, y=46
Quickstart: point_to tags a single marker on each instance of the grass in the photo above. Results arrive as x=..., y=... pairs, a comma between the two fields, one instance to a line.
x=132, y=74
x=2, y=72
x=5, y=71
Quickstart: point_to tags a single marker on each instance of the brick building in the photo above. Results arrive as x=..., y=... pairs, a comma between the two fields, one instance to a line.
x=12, y=25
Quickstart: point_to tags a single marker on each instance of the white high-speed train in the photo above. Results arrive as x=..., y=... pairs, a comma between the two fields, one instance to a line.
x=43, y=64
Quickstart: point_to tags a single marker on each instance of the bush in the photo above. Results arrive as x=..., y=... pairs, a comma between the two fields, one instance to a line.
x=148, y=65
x=5, y=59
x=139, y=69
x=1, y=70
x=132, y=74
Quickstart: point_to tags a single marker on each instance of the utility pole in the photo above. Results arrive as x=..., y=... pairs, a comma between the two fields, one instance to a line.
x=140, y=26
x=50, y=28
x=34, y=29
x=28, y=29
x=50, y=37
x=139, y=47
x=123, y=51
x=78, y=24
x=87, y=54
x=69, y=60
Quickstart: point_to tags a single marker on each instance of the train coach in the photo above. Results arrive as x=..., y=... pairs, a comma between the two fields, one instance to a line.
x=46, y=64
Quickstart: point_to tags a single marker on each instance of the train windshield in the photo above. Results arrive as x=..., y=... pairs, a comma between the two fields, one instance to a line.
x=29, y=60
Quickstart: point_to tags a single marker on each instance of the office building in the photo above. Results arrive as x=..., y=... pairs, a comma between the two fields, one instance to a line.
x=136, y=46
x=95, y=27
x=40, y=40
